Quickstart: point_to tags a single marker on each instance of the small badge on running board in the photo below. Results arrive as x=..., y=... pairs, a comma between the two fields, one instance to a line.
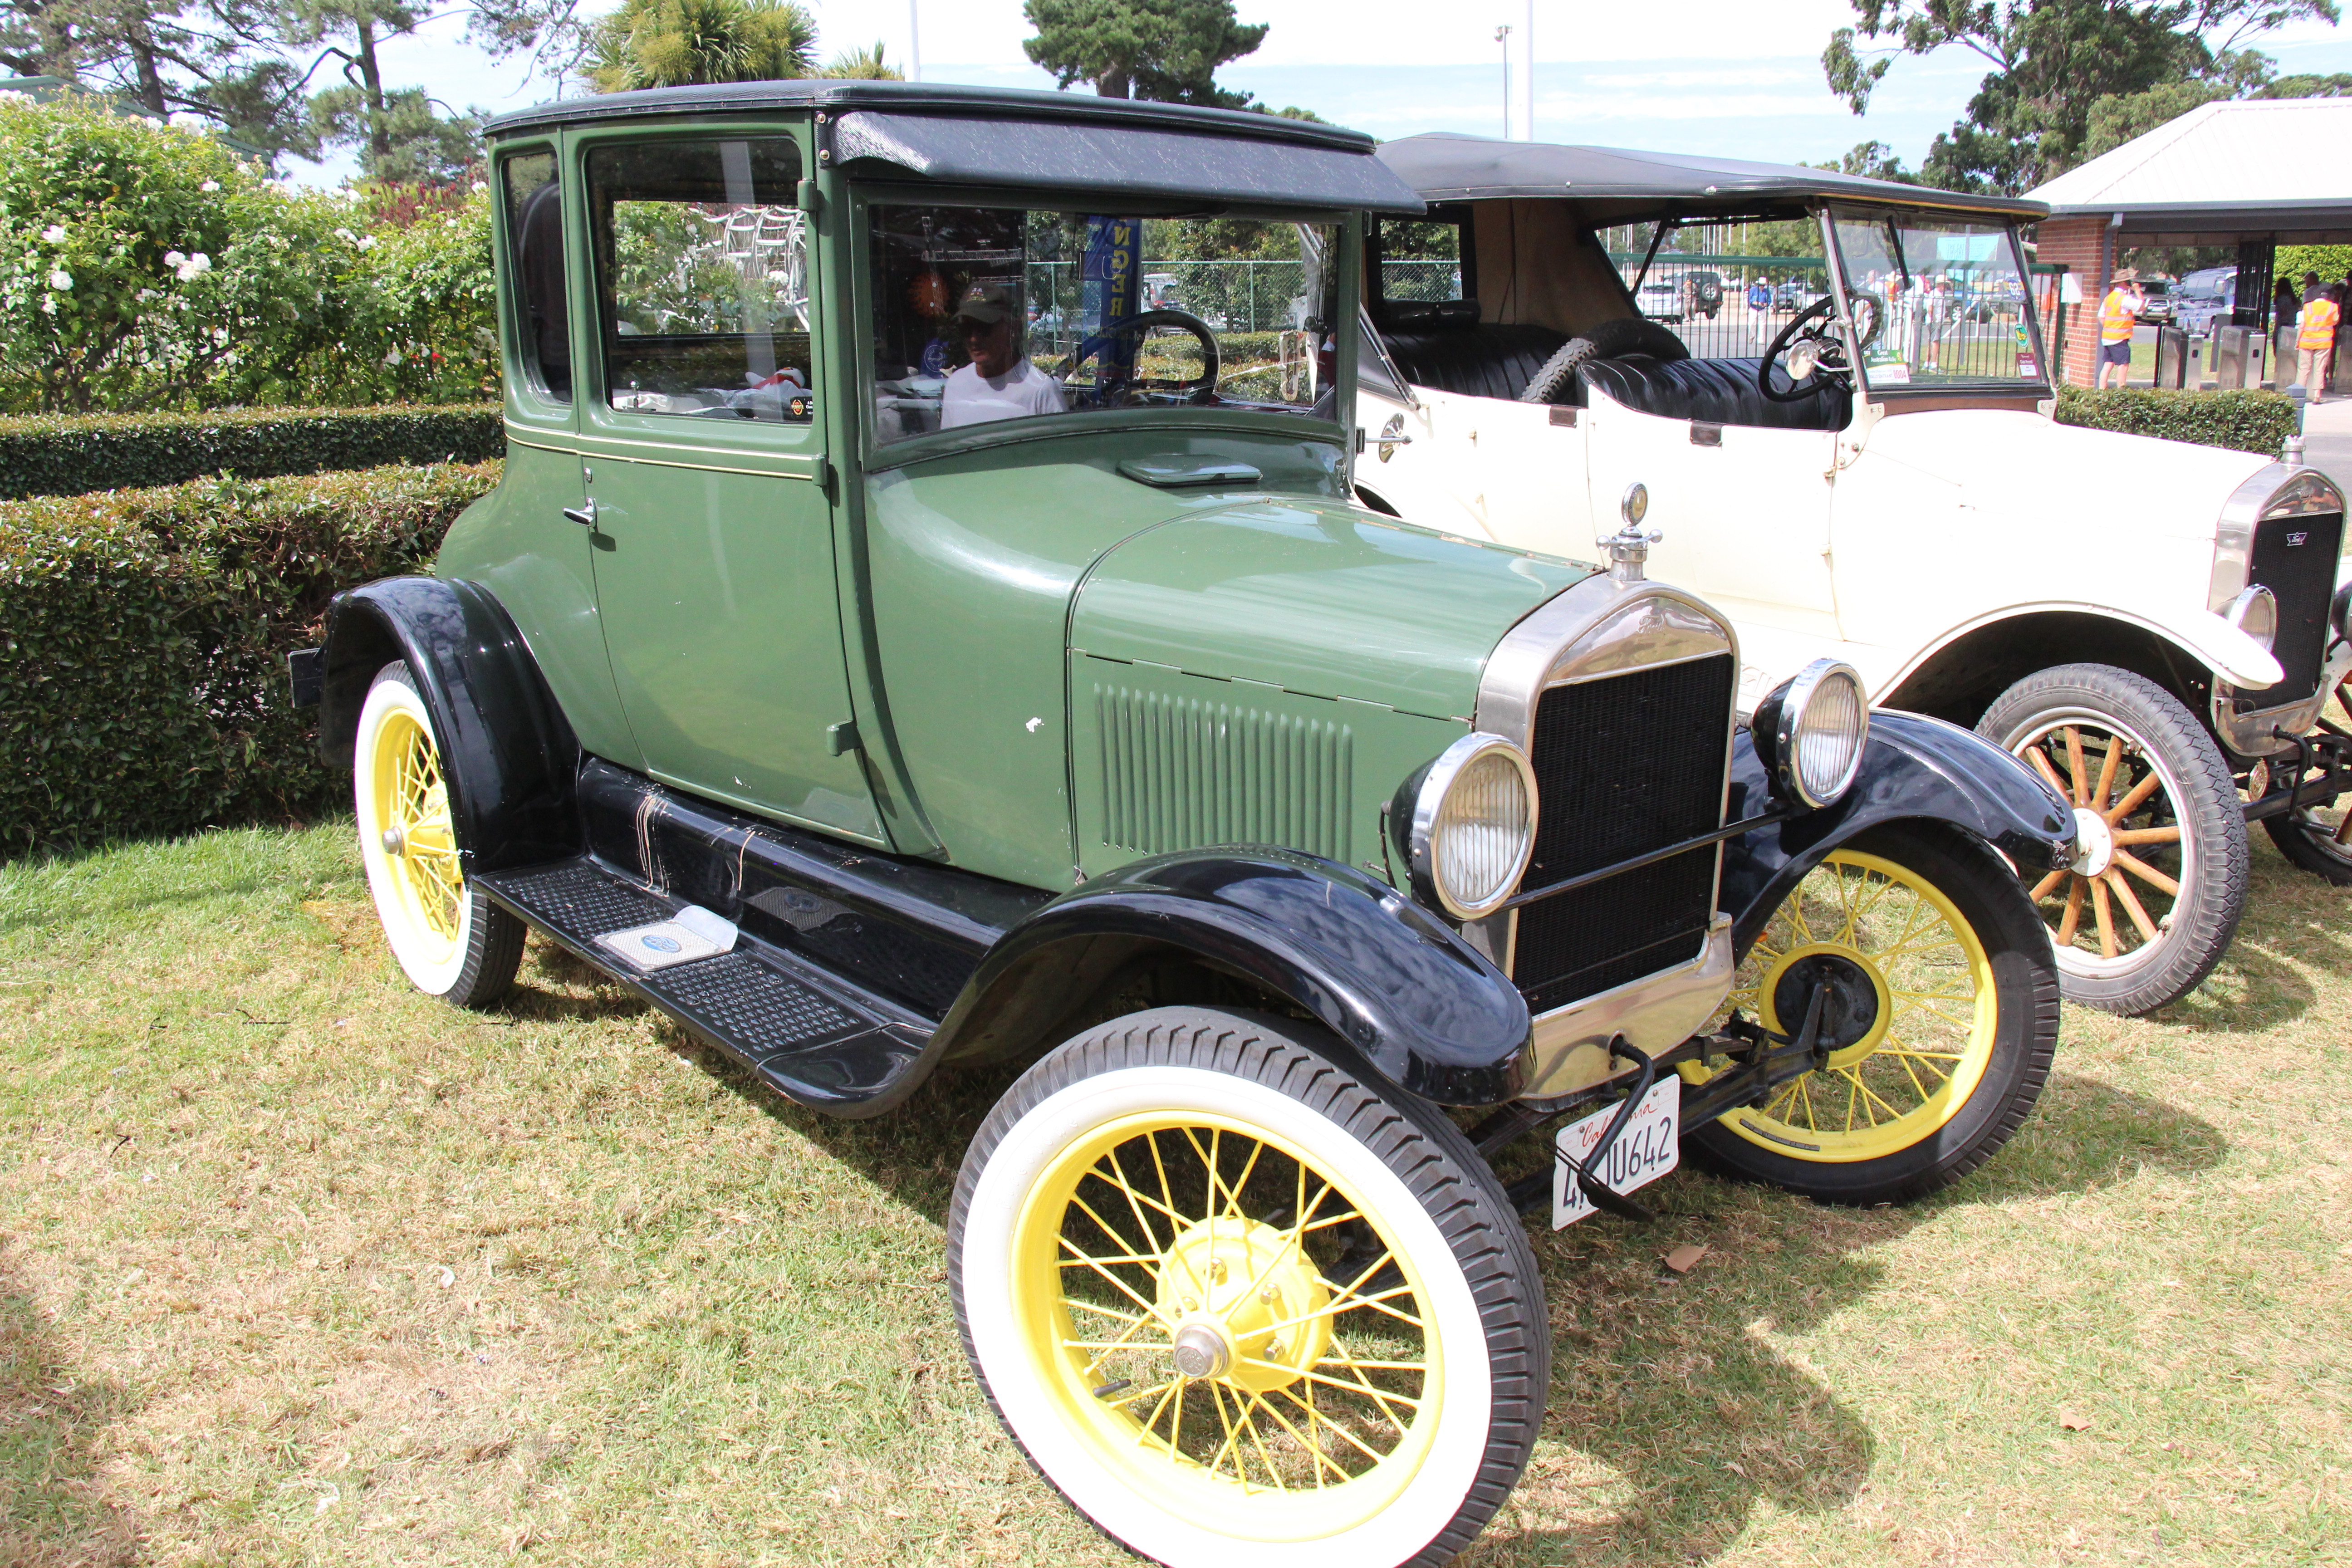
x=693, y=933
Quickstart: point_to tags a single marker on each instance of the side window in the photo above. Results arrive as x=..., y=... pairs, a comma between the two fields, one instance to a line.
x=702, y=278
x=1422, y=261
x=535, y=230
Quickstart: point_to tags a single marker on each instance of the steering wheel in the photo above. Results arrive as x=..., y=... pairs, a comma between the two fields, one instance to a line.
x=1202, y=387
x=1824, y=355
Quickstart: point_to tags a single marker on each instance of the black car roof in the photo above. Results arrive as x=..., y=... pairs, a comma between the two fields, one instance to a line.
x=1060, y=140
x=1620, y=185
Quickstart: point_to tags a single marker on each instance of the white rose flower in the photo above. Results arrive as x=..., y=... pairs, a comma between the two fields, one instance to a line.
x=209, y=186
x=368, y=244
x=55, y=234
x=194, y=267
x=60, y=278
x=391, y=356
x=347, y=237
x=173, y=258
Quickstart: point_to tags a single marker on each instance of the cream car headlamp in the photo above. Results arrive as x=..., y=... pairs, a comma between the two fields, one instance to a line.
x=1471, y=825
x=2255, y=613
x=1810, y=731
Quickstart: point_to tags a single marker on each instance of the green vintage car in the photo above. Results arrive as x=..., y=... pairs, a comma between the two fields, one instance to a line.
x=906, y=637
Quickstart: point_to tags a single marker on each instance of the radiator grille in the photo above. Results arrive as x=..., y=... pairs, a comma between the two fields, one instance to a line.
x=1179, y=772
x=1624, y=765
x=2302, y=576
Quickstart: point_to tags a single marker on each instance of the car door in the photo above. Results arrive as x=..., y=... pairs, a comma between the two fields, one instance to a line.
x=1744, y=511
x=706, y=473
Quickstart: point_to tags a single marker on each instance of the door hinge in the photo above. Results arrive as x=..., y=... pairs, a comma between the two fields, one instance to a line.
x=841, y=739
x=808, y=199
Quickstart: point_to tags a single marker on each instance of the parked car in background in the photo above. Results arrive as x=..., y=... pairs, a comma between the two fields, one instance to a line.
x=2158, y=305
x=895, y=726
x=2156, y=626
x=2203, y=297
x=1794, y=295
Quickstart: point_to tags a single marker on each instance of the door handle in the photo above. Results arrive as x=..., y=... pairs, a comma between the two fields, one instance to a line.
x=585, y=516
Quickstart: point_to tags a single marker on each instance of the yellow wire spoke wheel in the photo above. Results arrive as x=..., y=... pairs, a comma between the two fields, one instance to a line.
x=450, y=942
x=1937, y=1004
x=1222, y=1322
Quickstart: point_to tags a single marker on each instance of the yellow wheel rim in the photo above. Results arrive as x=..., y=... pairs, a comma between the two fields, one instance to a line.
x=418, y=846
x=1227, y=1328
x=1938, y=1012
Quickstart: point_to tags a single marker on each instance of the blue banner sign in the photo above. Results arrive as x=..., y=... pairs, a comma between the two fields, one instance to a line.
x=1112, y=291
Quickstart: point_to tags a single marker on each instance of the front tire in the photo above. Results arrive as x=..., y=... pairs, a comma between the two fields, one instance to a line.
x=1945, y=1004
x=1242, y=1305
x=2151, y=907
x=451, y=940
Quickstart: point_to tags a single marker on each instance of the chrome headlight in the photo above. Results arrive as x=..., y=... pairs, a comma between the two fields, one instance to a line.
x=1810, y=731
x=1472, y=825
x=2255, y=613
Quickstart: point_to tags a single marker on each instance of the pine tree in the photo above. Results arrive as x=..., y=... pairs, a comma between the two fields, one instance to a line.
x=1164, y=49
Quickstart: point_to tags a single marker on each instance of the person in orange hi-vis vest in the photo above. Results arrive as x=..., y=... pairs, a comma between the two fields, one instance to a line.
x=2118, y=314
x=2314, y=343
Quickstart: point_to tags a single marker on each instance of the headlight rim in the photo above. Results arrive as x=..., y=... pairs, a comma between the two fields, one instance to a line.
x=1780, y=716
x=1428, y=796
x=2242, y=608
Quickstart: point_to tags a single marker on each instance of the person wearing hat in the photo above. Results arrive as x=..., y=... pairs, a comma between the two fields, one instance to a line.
x=2118, y=314
x=1000, y=382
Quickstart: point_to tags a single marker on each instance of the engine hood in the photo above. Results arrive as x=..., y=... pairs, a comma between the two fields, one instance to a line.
x=2022, y=465
x=1316, y=598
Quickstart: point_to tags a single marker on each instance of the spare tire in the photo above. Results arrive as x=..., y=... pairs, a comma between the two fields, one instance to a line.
x=1628, y=337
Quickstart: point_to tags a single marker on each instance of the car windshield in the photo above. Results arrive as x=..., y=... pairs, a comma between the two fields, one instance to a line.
x=1940, y=302
x=995, y=314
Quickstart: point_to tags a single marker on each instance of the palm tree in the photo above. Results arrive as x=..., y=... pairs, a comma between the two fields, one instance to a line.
x=694, y=43
x=865, y=64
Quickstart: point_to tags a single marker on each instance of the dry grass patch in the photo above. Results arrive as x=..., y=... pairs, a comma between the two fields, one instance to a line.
x=297, y=1266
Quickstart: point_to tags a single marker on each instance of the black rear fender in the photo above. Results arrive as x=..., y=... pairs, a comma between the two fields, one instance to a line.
x=508, y=753
x=1913, y=768
x=1417, y=1004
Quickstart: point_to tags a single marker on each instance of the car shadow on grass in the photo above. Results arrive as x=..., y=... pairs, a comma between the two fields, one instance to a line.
x=52, y=1508
x=557, y=985
x=1680, y=1415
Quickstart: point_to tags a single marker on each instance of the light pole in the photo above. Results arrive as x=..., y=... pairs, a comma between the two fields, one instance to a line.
x=915, y=42
x=1528, y=76
x=1502, y=37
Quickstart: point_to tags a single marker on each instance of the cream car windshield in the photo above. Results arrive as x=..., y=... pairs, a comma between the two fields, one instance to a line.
x=982, y=314
x=1940, y=302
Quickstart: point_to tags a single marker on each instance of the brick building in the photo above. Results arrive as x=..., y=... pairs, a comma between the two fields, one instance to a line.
x=2255, y=175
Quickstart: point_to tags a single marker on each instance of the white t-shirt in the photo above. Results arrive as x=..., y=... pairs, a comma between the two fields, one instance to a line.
x=971, y=398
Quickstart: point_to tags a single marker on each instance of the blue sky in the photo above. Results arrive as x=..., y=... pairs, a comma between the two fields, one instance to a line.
x=1734, y=77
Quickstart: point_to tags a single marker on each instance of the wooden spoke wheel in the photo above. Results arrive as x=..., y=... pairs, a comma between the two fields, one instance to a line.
x=2318, y=837
x=1243, y=1306
x=450, y=940
x=2158, y=882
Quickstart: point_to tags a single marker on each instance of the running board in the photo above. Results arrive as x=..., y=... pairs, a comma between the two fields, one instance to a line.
x=809, y=1033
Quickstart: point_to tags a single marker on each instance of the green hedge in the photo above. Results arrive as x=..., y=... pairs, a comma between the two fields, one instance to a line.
x=144, y=635
x=2245, y=421
x=65, y=455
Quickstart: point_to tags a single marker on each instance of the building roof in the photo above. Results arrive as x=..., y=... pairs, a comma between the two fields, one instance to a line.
x=1624, y=185
x=1054, y=141
x=2257, y=167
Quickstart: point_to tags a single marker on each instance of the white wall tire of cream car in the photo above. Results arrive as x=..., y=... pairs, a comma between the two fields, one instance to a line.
x=1225, y=1292
x=451, y=940
x=2158, y=890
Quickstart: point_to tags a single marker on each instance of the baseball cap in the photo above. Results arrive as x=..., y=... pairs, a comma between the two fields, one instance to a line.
x=986, y=302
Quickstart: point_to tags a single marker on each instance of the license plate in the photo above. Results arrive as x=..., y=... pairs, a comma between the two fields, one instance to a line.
x=1650, y=1146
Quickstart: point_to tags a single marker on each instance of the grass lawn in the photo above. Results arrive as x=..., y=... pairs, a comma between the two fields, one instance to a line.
x=297, y=1267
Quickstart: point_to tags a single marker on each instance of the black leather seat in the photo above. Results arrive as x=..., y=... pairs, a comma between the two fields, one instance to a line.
x=1719, y=391
x=1491, y=361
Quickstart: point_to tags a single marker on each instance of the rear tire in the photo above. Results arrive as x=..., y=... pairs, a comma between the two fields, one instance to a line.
x=1090, y=1255
x=1950, y=1001
x=451, y=940
x=2188, y=829
x=1620, y=338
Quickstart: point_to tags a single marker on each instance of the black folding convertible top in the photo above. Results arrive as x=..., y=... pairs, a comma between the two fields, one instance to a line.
x=1617, y=184
x=985, y=136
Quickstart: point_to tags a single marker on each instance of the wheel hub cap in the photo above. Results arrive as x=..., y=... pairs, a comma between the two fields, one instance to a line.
x=392, y=844
x=2095, y=843
x=1248, y=1304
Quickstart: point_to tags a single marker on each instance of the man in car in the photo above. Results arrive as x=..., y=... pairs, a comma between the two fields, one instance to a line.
x=1000, y=382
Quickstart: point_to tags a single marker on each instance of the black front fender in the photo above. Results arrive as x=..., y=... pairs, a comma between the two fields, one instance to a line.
x=1417, y=1004
x=508, y=753
x=1915, y=767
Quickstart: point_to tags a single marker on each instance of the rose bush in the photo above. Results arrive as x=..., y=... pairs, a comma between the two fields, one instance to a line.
x=143, y=266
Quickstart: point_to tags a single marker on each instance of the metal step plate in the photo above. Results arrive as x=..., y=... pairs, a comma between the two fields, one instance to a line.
x=814, y=1036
